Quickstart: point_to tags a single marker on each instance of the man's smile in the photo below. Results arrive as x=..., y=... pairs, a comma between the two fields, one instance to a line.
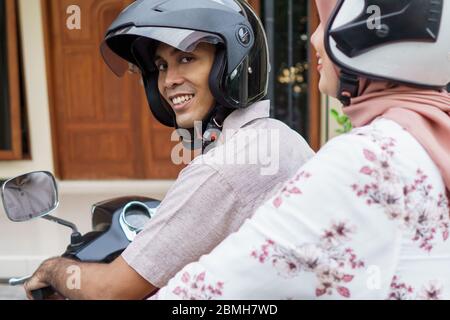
x=181, y=101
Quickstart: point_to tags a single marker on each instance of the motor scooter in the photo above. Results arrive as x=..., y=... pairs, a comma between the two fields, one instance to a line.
x=115, y=222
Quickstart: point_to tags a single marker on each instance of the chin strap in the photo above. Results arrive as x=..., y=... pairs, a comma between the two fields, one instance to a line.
x=214, y=126
x=210, y=132
x=348, y=87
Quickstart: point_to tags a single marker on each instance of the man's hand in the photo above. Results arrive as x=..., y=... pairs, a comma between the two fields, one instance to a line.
x=41, y=279
x=95, y=281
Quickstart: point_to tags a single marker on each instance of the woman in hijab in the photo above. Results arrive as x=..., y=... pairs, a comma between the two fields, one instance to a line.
x=368, y=217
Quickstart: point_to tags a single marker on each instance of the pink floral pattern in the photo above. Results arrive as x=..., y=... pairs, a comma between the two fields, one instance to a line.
x=402, y=291
x=432, y=291
x=329, y=260
x=291, y=188
x=413, y=205
x=196, y=288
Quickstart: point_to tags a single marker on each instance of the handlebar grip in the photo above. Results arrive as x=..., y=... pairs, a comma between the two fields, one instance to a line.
x=43, y=293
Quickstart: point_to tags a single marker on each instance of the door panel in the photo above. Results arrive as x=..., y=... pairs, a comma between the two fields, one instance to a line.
x=11, y=103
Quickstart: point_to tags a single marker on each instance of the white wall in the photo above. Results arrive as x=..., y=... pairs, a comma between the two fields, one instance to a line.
x=30, y=15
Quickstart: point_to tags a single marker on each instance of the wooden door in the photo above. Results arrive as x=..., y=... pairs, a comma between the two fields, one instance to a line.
x=10, y=100
x=101, y=125
x=256, y=5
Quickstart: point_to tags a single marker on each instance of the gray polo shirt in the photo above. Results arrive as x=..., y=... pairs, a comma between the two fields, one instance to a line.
x=217, y=192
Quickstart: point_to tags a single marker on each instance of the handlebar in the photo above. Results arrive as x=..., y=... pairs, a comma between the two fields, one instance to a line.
x=18, y=281
x=43, y=293
x=39, y=294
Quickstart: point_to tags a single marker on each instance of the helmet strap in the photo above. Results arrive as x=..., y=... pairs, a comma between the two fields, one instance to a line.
x=214, y=126
x=211, y=130
x=348, y=87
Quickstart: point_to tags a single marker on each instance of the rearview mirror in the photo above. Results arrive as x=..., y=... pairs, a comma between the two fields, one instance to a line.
x=29, y=196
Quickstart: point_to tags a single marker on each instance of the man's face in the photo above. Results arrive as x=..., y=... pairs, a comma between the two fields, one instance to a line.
x=183, y=81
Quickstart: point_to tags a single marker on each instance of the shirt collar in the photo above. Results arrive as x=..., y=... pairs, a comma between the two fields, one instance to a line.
x=240, y=117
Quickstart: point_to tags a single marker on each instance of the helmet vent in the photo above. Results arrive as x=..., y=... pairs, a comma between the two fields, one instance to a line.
x=159, y=7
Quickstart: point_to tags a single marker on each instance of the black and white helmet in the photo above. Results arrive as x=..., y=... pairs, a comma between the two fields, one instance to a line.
x=405, y=41
x=239, y=76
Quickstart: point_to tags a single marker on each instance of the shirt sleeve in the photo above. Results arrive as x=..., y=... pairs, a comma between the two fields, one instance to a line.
x=194, y=217
x=329, y=233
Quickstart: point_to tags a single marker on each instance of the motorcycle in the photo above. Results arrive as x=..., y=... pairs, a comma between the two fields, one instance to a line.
x=115, y=222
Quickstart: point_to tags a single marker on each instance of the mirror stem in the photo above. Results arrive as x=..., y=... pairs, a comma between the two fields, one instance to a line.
x=62, y=222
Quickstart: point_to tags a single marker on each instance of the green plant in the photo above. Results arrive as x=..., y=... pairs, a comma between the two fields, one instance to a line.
x=343, y=121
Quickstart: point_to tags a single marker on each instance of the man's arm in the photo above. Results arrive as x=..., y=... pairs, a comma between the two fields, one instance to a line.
x=90, y=281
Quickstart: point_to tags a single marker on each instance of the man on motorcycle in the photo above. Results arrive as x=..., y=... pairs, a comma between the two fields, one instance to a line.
x=200, y=60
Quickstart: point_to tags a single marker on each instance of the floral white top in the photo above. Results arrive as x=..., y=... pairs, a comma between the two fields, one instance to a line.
x=367, y=218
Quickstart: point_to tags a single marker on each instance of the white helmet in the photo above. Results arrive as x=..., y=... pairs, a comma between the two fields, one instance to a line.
x=405, y=41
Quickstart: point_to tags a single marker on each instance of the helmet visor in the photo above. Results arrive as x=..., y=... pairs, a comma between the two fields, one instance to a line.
x=116, y=49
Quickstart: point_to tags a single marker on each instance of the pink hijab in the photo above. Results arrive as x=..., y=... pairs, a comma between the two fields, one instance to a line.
x=423, y=113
